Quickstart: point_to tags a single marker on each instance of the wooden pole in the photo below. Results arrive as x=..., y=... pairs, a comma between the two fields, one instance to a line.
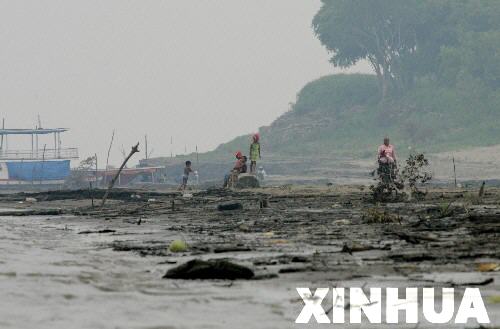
x=455, y=172
x=36, y=145
x=134, y=149
x=197, y=166
x=107, y=158
x=3, y=127
x=96, y=185
x=59, y=143
x=91, y=194
x=43, y=161
x=197, y=159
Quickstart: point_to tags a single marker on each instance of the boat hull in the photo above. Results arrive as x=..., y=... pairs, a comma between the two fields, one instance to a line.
x=51, y=172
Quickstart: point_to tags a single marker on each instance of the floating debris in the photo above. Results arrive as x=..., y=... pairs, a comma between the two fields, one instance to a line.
x=178, y=246
x=230, y=206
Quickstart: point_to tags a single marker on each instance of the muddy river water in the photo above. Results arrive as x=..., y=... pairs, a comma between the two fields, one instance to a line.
x=66, y=271
x=51, y=277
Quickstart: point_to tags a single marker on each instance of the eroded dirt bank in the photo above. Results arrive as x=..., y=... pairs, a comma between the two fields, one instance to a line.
x=68, y=264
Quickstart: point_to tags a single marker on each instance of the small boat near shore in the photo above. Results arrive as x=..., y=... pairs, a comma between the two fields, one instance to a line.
x=38, y=165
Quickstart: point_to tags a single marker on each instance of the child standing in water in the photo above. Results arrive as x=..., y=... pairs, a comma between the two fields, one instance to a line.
x=185, y=176
x=254, y=153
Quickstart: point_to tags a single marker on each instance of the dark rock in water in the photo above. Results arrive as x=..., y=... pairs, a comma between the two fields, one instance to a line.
x=31, y=212
x=97, y=232
x=412, y=256
x=212, y=269
x=300, y=259
x=297, y=269
x=247, y=181
x=230, y=206
x=266, y=276
x=231, y=249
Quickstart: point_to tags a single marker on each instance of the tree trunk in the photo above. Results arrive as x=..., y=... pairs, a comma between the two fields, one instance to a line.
x=385, y=88
x=382, y=85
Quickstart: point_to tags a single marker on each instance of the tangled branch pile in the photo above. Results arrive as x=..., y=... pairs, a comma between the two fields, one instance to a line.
x=391, y=184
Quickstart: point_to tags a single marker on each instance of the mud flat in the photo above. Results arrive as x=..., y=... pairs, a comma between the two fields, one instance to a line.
x=68, y=264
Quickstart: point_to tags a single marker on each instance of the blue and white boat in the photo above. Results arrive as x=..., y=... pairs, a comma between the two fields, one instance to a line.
x=36, y=166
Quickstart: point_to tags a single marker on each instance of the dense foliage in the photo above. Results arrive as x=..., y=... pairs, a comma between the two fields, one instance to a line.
x=442, y=40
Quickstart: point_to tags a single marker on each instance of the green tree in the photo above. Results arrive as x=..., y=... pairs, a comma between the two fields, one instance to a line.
x=384, y=32
x=475, y=55
x=402, y=40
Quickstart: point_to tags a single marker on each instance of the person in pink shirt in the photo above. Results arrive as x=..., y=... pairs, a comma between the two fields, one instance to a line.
x=386, y=153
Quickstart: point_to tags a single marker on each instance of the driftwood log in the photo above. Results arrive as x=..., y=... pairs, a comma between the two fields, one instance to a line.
x=134, y=149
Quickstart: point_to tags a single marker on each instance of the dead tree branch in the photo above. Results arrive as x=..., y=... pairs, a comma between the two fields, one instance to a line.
x=107, y=158
x=134, y=149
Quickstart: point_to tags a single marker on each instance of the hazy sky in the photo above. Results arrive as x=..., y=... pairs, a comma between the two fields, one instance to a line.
x=202, y=71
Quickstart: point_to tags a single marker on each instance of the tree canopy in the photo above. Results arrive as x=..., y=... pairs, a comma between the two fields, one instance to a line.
x=411, y=39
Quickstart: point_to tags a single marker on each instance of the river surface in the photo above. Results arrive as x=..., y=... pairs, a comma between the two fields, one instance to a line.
x=51, y=277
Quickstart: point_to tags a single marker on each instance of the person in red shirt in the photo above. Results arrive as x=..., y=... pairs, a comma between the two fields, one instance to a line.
x=239, y=161
x=386, y=153
x=241, y=164
x=240, y=167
